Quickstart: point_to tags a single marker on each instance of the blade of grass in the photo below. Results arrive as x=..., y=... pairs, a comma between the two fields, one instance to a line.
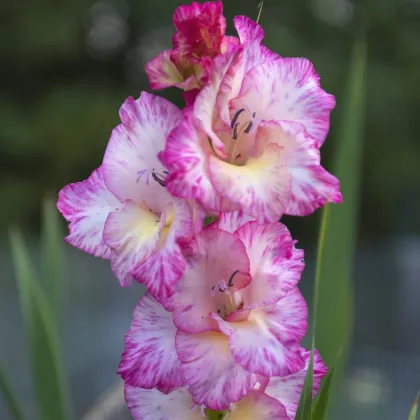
x=52, y=253
x=43, y=339
x=304, y=410
x=335, y=302
x=413, y=412
x=320, y=408
x=9, y=397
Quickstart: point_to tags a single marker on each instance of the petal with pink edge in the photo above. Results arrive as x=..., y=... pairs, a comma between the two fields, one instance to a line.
x=311, y=185
x=218, y=255
x=130, y=163
x=151, y=404
x=162, y=72
x=287, y=89
x=287, y=389
x=86, y=205
x=267, y=341
x=231, y=221
x=257, y=405
x=248, y=30
x=276, y=265
x=214, y=378
x=150, y=359
x=260, y=188
x=133, y=234
x=165, y=267
x=186, y=157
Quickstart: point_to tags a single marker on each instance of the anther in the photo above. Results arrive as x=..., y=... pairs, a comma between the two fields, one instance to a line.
x=248, y=128
x=235, y=117
x=230, y=282
x=235, y=131
x=158, y=180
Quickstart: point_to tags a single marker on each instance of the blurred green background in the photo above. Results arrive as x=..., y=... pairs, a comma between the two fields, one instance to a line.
x=66, y=67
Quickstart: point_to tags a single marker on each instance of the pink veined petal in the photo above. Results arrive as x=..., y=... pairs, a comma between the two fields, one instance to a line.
x=287, y=389
x=214, y=378
x=186, y=156
x=311, y=185
x=86, y=205
x=165, y=267
x=267, y=342
x=162, y=72
x=260, y=188
x=288, y=89
x=151, y=404
x=131, y=154
x=248, y=30
x=276, y=265
x=133, y=234
x=257, y=405
x=150, y=359
x=218, y=255
x=231, y=221
x=205, y=110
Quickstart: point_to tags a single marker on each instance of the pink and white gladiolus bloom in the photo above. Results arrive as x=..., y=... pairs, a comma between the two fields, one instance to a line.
x=236, y=314
x=251, y=139
x=123, y=212
x=274, y=398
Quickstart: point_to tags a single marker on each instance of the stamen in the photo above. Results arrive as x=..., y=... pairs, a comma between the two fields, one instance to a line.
x=235, y=117
x=141, y=173
x=248, y=128
x=235, y=131
x=158, y=180
x=230, y=281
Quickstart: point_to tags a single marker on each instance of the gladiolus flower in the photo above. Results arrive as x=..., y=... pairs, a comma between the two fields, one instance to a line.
x=123, y=212
x=251, y=140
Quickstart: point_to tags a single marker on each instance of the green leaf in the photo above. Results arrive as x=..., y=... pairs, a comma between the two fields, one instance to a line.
x=320, y=409
x=42, y=335
x=335, y=299
x=9, y=397
x=52, y=253
x=214, y=415
x=413, y=412
x=305, y=402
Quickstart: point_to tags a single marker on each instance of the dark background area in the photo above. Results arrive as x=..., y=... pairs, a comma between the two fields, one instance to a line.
x=67, y=66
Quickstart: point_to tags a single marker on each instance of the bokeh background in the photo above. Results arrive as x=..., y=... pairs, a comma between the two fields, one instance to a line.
x=66, y=67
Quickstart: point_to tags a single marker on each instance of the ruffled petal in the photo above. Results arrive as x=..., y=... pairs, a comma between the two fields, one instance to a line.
x=218, y=255
x=260, y=188
x=267, y=342
x=276, y=265
x=146, y=246
x=232, y=221
x=86, y=205
x=133, y=234
x=165, y=267
x=162, y=72
x=131, y=156
x=214, y=378
x=248, y=30
x=257, y=405
x=287, y=389
x=311, y=185
x=287, y=89
x=186, y=157
x=151, y=404
x=150, y=359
